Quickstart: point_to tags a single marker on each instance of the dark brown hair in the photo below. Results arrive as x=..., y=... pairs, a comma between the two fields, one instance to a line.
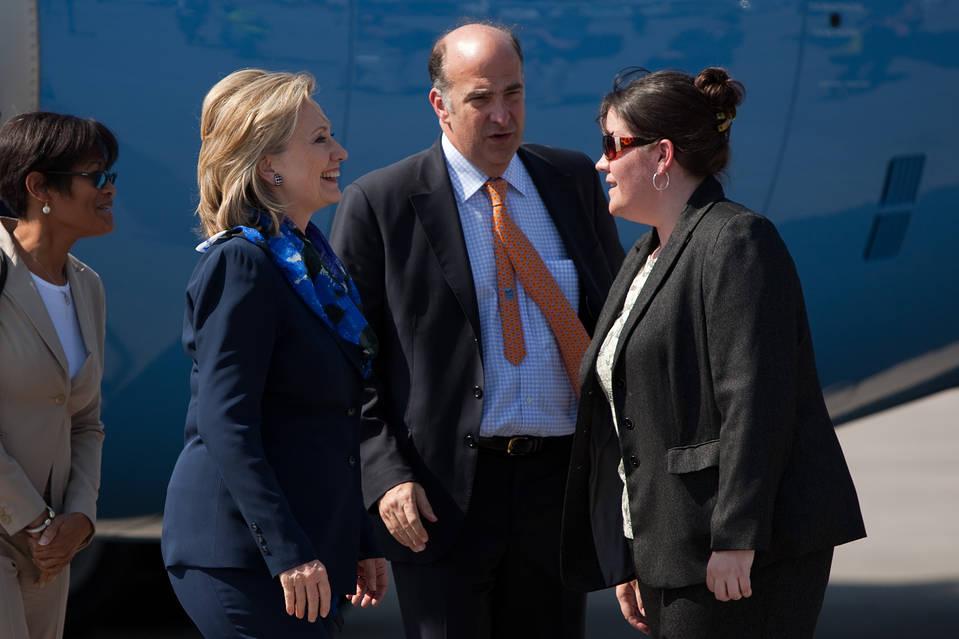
x=42, y=141
x=694, y=113
x=438, y=54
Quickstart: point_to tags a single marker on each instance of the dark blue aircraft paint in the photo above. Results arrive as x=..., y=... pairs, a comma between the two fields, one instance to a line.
x=835, y=93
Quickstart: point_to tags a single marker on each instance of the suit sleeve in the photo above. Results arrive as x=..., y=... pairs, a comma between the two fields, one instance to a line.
x=606, y=228
x=368, y=546
x=86, y=440
x=752, y=299
x=20, y=503
x=235, y=328
x=358, y=240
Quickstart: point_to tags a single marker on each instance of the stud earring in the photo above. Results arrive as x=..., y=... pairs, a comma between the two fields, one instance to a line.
x=46, y=209
x=277, y=179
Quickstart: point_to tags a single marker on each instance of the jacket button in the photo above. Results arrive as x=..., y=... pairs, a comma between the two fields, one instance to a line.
x=59, y=400
x=470, y=441
x=351, y=461
x=477, y=392
x=350, y=412
x=628, y=423
x=634, y=461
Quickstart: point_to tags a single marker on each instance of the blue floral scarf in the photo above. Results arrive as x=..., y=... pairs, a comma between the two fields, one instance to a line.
x=330, y=294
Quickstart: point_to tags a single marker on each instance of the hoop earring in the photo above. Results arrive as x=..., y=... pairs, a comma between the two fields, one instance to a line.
x=663, y=187
x=46, y=209
x=277, y=179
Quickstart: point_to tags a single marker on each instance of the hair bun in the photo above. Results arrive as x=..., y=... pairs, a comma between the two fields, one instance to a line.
x=723, y=93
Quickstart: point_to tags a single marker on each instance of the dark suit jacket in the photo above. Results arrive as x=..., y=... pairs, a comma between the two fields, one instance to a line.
x=399, y=232
x=724, y=433
x=269, y=476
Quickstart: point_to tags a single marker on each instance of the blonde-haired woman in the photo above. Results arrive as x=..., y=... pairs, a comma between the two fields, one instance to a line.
x=264, y=527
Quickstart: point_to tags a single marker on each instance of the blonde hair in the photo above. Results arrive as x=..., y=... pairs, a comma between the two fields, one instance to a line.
x=246, y=115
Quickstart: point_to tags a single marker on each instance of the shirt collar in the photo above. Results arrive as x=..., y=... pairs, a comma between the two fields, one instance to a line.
x=467, y=179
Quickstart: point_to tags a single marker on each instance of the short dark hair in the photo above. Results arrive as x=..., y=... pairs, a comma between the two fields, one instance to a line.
x=438, y=53
x=694, y=113
x=42, y=141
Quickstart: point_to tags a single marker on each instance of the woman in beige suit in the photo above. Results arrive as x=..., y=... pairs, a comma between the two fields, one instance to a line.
x=54, y=179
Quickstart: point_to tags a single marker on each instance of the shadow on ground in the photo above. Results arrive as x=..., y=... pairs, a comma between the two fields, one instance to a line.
x=134, y=601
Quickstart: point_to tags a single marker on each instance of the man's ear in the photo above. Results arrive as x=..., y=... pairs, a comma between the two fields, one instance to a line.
x=438, y=102
x=36, y=185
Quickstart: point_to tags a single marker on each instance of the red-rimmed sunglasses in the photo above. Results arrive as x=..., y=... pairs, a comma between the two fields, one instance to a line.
x=613, y=145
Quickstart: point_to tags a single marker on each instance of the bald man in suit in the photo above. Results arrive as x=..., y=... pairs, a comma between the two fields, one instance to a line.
x=466, y=442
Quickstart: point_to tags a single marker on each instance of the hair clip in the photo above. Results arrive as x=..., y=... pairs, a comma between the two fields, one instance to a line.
x=726, y=121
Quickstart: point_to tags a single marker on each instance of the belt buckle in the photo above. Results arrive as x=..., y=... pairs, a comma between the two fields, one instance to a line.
x=520, y=445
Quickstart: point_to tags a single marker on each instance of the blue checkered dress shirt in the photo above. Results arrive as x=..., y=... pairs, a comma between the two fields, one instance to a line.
x=534, y=398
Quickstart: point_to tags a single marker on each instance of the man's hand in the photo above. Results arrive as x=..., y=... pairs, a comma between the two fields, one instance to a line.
x=306, y=590
x=372, y=582
x=727, y=574
x=400, y=509
x=631, y=605
x=54, y=548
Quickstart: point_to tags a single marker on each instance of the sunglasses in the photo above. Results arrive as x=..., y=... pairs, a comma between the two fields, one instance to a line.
x=99, y=178
x=613, y=145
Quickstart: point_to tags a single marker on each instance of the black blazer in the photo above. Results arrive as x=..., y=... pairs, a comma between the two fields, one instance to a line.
x=398, y=231
x=269, y=477
x=723, y=430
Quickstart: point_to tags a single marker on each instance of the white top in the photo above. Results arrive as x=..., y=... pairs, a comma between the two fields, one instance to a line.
x=59, y=303
x=604, y=369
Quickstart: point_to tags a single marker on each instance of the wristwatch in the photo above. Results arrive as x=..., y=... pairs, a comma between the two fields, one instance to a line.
x=43, y=525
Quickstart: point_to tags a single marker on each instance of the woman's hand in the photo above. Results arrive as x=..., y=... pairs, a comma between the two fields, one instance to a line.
x=306, y=590
x=727, y=574
x=631, y=604
x=54, y=548
x=372, y=582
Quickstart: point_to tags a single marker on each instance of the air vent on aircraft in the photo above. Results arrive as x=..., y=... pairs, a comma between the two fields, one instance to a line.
x=895, y=206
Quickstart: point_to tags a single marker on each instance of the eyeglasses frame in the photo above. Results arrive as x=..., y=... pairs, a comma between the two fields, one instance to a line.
x=619, y=144
x=99, y=178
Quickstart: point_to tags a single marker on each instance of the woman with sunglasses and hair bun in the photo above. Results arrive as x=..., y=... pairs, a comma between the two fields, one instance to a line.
x=702, y=424
x=55, y=180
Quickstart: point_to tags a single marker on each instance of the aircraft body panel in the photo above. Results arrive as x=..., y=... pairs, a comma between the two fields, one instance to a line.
x=845, y=141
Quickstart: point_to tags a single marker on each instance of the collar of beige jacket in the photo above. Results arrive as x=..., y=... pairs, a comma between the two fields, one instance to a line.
x=22, y=292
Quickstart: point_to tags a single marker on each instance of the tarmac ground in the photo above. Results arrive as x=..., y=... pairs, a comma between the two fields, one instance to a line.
x=903, y=581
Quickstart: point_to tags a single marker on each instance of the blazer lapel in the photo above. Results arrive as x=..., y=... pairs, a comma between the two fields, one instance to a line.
x=22, y=291
x=702, y=199
x=560, y=198
x=82, y=306
x=352, y=352
x=435, y=206
x=615, y=300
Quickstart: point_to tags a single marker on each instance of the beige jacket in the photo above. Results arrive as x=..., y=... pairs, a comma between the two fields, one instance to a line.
x=51, y=435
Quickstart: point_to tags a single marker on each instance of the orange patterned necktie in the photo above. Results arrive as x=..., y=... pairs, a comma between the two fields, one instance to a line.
x=516, y=257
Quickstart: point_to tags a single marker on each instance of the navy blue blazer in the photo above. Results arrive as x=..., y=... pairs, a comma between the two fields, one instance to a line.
x=269, y=475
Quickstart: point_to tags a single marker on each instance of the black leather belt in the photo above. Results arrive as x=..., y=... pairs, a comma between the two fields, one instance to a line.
x=521, y=445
